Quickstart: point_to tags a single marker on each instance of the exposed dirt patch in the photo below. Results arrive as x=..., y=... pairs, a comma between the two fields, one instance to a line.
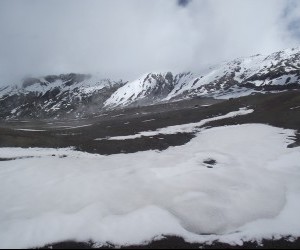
x=209, y=163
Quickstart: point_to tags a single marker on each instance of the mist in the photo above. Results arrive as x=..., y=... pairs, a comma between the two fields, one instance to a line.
x=125, y=39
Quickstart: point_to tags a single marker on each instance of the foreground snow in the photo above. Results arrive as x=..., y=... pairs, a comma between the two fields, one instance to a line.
x=252, y=192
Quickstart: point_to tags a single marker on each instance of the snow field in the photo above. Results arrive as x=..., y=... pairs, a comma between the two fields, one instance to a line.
x=252, y=192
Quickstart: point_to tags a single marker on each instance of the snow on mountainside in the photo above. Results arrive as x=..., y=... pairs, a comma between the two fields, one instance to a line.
x=77, y=95
x=71, y=82
x=147, y=89
x=242, y=76
x=277, y=69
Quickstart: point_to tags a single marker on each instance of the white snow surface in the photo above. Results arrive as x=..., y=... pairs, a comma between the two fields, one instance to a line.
x=252, y=192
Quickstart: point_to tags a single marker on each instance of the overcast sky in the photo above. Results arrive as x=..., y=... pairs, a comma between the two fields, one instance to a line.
x=127, y=38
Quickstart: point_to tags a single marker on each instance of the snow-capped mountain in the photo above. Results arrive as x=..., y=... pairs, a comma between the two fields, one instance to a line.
x=56, y=96
x=258, y=72
x=280, y=70
x=148, y=89
x=77, y=95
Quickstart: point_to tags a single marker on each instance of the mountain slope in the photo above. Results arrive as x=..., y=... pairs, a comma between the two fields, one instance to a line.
x=150, y=88
x=256, y=72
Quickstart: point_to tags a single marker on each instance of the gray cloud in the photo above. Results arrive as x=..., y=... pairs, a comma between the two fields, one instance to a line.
x=183, y=3
x=124, y=39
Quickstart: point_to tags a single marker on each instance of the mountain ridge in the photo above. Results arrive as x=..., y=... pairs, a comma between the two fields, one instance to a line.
x=77, y=95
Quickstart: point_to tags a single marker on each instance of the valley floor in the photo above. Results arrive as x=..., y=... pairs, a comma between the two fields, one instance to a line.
x=212, y=174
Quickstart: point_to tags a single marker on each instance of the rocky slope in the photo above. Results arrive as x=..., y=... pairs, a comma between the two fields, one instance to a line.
x=77, y=95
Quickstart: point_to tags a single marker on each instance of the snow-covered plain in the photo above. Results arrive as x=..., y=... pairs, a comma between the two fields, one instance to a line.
x=252, y=192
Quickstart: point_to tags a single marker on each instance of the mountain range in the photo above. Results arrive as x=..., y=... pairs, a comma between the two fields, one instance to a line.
x=79, y=95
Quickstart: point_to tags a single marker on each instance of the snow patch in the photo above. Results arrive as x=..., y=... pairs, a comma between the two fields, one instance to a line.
x=295, y=108
x=81, y=126
x=183, y=128
x=30, y=130
x=150, y=120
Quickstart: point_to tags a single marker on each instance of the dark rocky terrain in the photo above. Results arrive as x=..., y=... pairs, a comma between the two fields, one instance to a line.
x=276, y=109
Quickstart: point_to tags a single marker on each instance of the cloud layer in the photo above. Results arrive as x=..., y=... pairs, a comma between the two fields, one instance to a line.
x=124, y=39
